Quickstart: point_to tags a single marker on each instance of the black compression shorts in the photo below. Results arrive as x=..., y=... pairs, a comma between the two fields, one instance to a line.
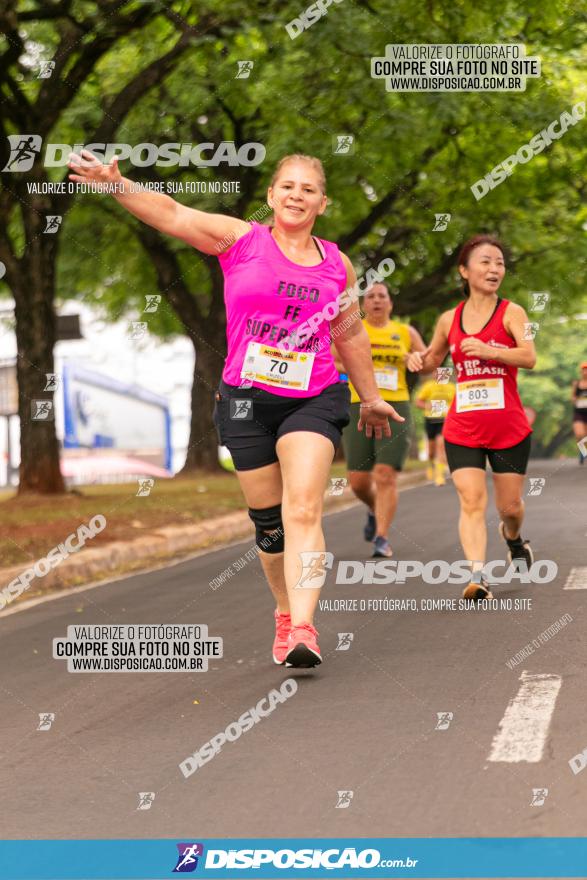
x=513, y=460
x=250, y=421
x=433, y=428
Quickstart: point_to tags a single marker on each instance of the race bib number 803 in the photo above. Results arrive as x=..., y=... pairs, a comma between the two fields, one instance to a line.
x=480, y=394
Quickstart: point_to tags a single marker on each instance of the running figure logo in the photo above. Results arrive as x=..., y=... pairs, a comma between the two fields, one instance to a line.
x=241, y=409
x=444, y=719
x=146, y=799
x=344, y=641
x=537, y=484
x=343, y=144
x=247, y=380
x=441, y=222
x=438, y=408
x=145, y=487
x=152, y=301
x=530, y=330
x=443, y=375
x=539, y=795
x=244, y=69
x=52, y=383
x=187, y=860
x=46, y=70
x=344, y=799
x=337, y=485
x=24, y=149
x=42, y=410
x=46, y=719
x=137, y=329
x=314, y=567
x=538, y=302
x=53, y=222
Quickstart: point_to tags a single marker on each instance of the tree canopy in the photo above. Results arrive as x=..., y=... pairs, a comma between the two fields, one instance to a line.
x=135, y=71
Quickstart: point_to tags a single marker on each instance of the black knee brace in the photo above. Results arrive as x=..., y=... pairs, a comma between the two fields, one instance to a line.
x=267, y=520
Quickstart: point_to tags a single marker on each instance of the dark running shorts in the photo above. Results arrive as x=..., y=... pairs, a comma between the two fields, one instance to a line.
x=433, y=428
x=250, y=421
x=513, y=460
x=363, y=452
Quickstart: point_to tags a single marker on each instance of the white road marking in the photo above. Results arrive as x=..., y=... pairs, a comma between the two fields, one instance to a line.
x=577, y=579
x=524, y=727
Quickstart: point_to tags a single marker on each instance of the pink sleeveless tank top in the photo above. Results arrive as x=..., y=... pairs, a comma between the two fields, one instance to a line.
x=277, y=307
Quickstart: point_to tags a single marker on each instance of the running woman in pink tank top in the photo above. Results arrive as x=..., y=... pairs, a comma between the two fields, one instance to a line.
x=488, y=340
x=280, y=407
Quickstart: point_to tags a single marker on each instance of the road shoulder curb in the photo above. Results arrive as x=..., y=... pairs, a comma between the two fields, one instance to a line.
x=158, y=548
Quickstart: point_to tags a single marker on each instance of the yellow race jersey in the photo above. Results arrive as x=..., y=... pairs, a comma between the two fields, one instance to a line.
x=431, y=392
x=389, y=346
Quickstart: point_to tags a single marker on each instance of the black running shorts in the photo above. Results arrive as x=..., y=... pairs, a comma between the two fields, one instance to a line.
x=250, y=421
x=433, y=427
x=513, y=460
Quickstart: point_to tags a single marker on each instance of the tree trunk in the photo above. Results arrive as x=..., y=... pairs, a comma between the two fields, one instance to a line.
x=35, y=337
x=202, y=452
x=562, y=435
x=207, y=333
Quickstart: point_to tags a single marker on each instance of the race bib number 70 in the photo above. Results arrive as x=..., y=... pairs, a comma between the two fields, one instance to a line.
x=268, y=365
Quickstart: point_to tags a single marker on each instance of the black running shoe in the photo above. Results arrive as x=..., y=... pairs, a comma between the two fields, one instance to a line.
x=370, y=527
x=519, y=551
x=477, y=590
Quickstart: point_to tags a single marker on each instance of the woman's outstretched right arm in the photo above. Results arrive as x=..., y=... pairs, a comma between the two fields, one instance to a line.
x=209, y=233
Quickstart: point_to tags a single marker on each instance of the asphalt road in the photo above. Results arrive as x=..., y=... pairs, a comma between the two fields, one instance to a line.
x=365, y=721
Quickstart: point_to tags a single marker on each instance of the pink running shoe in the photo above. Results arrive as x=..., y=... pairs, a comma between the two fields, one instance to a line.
x=282, y=631
x=302, y=647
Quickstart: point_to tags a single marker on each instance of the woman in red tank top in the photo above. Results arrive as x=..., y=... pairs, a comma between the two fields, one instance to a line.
x=488, y=338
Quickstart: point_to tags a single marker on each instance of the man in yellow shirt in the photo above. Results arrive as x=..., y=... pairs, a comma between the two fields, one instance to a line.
x=373, y=465
x=435, y=398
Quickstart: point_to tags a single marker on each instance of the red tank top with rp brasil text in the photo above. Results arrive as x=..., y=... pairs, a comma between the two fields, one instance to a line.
x=487, y=410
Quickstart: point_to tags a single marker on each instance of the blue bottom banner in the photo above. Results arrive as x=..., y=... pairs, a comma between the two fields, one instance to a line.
x=368, y=858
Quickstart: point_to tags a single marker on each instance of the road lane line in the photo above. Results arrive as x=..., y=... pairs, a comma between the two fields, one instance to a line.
x=523, y=730
x=577, y=579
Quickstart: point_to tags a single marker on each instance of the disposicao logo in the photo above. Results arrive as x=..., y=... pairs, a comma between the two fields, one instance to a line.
x=187, y=860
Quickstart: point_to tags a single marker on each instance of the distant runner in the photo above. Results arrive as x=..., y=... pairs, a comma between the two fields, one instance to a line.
x=488, y=338
x=435, y=399
x=374, y=463
x=579, y=397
